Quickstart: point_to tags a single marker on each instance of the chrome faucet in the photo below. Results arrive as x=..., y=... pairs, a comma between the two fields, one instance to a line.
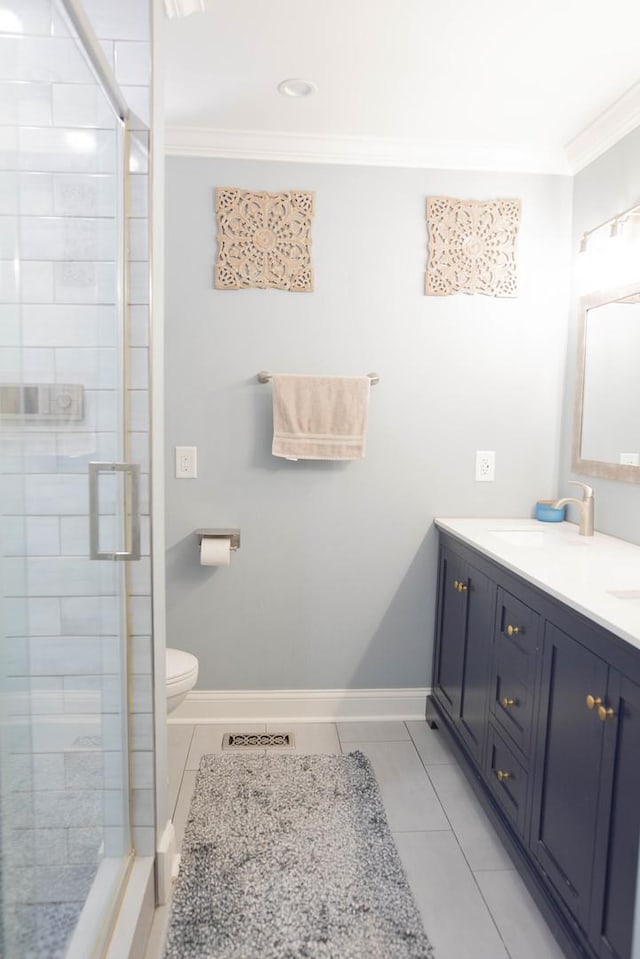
x=585, y=504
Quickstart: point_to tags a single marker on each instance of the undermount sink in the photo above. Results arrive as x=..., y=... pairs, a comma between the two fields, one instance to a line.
x=520, y=537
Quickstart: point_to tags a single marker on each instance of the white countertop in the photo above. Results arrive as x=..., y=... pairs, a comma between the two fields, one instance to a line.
x=585, y=572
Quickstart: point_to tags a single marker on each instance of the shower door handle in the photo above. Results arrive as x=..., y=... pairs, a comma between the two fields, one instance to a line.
x=131, y=508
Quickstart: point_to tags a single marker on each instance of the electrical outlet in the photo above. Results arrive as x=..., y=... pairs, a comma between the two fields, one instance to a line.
x=186, y=462
x=485, y=466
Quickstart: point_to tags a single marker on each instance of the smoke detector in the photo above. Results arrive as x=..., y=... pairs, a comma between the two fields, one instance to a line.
x=296, y=87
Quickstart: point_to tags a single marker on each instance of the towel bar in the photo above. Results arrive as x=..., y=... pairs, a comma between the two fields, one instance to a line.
x=264, y=377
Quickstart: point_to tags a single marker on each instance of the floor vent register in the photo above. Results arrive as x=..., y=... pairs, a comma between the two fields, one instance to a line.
x=258, y=741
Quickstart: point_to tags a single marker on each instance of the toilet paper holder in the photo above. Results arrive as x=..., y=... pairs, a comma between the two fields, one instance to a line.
x=231, y=534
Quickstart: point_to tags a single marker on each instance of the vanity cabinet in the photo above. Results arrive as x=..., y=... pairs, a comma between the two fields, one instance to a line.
x=543, y=708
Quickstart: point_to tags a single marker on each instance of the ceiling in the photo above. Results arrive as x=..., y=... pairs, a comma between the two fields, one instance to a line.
x=485, y=83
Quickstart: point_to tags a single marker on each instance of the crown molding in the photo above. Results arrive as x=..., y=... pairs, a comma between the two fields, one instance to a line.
x=607, y=129
x=363, y=151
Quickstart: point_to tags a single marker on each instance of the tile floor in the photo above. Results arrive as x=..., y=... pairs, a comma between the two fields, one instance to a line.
x=473, y=903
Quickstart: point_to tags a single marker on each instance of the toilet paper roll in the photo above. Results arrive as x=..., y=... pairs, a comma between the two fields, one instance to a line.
x=215, y=551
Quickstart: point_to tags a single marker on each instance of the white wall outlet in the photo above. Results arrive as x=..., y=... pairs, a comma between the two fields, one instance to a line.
x=186, y=462
x=629, y=459
x=485, y=466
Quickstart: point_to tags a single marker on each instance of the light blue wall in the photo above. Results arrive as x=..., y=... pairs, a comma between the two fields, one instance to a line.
x=607, y=186
x=334, y=584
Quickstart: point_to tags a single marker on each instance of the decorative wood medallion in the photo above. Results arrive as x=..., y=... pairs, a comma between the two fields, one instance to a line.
x=264, y=240
x=472, y=246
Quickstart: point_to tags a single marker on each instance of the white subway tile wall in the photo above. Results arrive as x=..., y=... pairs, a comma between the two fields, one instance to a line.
x=58, y=324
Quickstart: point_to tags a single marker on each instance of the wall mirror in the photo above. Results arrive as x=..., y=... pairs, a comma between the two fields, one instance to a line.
x=607, y=410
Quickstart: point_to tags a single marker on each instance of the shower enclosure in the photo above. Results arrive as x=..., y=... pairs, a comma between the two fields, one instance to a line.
x=75, y=689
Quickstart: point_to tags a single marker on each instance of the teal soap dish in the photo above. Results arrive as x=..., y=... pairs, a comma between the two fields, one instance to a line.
x=546, y=512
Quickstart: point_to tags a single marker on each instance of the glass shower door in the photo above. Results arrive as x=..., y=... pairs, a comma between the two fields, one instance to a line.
x=67, y=505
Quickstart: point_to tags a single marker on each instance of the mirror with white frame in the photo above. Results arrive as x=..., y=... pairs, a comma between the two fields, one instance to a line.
x=607, y=411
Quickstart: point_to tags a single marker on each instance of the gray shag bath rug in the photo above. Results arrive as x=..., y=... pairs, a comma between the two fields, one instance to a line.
x=291, y=857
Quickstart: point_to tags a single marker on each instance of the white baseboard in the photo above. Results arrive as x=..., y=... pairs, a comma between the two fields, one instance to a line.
x=300, y=705
x=165, y=855
x=134, y=920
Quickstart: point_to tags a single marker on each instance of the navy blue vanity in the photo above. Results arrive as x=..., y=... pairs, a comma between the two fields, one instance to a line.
x=536, y=683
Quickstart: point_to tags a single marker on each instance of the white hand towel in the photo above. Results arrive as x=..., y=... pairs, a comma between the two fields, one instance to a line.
x=320, y=417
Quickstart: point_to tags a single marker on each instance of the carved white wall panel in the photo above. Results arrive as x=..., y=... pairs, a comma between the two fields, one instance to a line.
x=264, y=240
x=472, y=246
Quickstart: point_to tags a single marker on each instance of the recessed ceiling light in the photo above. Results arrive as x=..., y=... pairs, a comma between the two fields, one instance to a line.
x=295, y=87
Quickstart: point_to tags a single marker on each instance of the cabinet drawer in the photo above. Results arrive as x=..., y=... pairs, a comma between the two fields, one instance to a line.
x=514, y=668
x=512, y=706
x=518, y=630
x=506, y=778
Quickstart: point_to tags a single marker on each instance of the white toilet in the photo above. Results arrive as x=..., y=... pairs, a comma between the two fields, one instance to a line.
x=182, y=674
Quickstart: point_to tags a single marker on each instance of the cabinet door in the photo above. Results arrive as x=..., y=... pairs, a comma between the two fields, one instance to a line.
x=568, y=758
x=475, y=681
x=451, y=632
x=616, y=859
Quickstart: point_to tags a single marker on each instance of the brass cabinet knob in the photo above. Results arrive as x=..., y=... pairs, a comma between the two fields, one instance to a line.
x=460, y=586
x=593, y=701
x=514, y=630
x=456, y=584
x=508, y=703
x=606, y=712
x=502, y=775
